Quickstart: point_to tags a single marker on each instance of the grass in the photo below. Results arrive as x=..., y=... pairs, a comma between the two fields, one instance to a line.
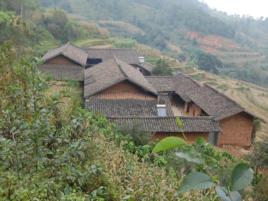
x=92, y=42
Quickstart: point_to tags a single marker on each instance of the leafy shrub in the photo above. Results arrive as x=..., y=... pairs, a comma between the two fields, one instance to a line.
x=201, y=175
x=259, y=160
x=44, y=156
x=162, y=68
x=208, y=62
x=124, y=43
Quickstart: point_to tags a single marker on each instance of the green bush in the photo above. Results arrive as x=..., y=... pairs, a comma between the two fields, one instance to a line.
x=44, y=156
x=162, y=68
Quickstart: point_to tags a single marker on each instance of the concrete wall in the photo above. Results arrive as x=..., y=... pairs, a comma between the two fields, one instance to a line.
x=236, y=130
x=61, y=60
x=189, y=137
x=125, y=90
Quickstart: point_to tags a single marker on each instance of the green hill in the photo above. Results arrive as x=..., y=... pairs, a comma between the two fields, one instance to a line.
x=183, y=28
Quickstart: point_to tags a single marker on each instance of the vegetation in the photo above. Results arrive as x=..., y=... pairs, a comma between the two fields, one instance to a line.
x=241, y=175
x=162, y=68
x=207, y=62
x=51, y=153
x=52, y=149
x=259, y=161
x=28, y=27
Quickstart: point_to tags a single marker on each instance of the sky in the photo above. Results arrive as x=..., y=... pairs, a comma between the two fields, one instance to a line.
x=255, y=8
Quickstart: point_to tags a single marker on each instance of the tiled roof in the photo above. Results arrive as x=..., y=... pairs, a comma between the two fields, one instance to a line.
x=180, y=84
x=70, y=51
x=162, y=83
x=111, y=72
x=184, y=85
x=168, y=124
x=147, y=66
x=126, y=107
x=210, y=100
x=63, y=72
x=122, y=108
x=129, y=56
x=215, y=103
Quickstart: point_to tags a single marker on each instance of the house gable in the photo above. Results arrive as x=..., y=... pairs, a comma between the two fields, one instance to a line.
x=70, y=51
x=107, y=74
x=125, y=90
x=61, y=60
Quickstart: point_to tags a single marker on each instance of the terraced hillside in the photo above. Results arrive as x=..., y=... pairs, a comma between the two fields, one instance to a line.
x=227, y=50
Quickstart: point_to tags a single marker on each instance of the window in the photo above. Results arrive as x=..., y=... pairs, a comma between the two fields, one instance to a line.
x=93, y=61
x=162, y=110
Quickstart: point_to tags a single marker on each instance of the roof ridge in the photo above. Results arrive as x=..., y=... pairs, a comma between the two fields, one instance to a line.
x=188, y=77
x=67, y=45
x=72, y=44
x=119, y=66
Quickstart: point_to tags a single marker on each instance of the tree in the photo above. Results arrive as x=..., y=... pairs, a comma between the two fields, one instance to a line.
x=162, y=68
x=207, y=62
x=259, y=155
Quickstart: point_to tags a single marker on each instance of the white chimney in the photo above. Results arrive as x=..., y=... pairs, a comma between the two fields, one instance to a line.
x=161, y=110
x=141, y=60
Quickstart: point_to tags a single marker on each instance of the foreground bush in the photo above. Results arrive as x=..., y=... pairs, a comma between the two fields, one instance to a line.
x=48, y=154
x=51, y=153
x=44, y=156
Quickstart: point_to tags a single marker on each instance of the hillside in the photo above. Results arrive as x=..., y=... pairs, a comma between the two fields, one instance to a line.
x=183, y=29
x=52, y=149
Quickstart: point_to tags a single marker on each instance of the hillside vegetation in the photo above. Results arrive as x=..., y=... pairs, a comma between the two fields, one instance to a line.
x=52, y=149
x=183, y=28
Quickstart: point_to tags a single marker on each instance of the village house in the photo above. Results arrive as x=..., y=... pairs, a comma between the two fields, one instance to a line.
x=68, y=62
x=118, y=84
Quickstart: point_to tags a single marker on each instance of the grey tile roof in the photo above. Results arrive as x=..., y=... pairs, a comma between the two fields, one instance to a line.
x=184, y=85
x=122, y=108
x=180, y=84
x=162, y=83
x=129, y=56
x=168, y=124
x=111, y=72
x=70, y=51
x=210, y=100
x=63, y=72
x=127, y=107
x=147, y=66
x=215, y=103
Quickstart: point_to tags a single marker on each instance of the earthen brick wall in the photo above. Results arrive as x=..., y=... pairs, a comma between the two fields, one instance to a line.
x=236, y=130
x=125, y=90
x=61, y=60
